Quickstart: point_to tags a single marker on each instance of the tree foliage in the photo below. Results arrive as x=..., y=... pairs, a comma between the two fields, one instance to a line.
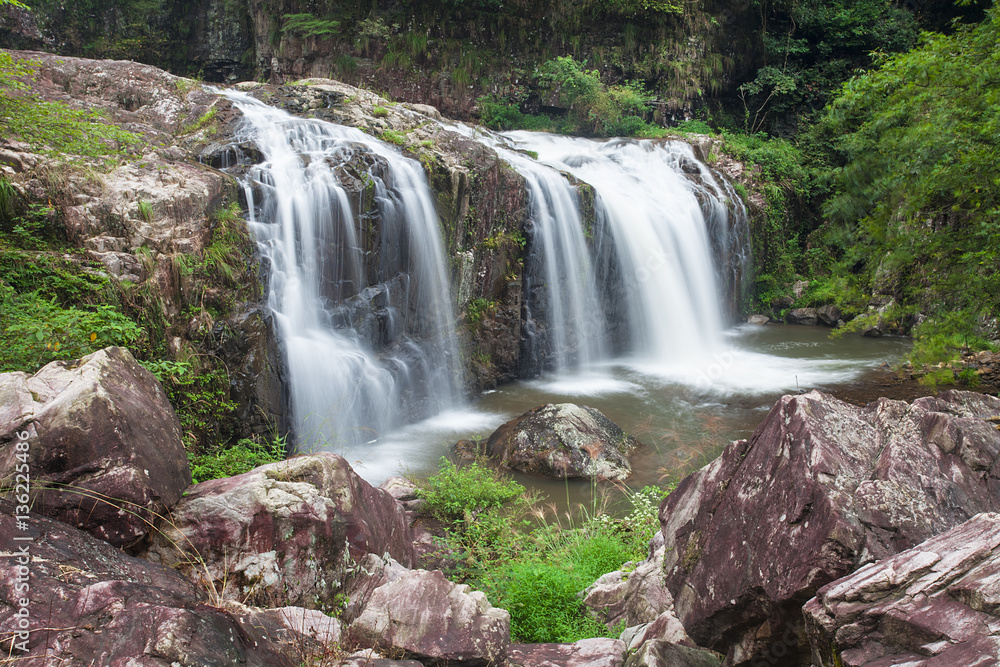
x=917, y=144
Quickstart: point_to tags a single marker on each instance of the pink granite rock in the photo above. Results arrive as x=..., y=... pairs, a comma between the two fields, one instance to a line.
x=935, y=604
x=282, y=534
x=103, y=442
x=820, y=489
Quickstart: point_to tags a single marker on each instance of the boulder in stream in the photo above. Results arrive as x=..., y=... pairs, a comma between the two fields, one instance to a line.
x=564, y=441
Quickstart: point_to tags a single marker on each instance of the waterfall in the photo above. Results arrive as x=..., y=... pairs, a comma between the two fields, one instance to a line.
x=357, y=278
x=659, y=217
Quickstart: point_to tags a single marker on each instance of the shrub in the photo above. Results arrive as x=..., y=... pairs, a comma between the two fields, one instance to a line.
x=455, y=493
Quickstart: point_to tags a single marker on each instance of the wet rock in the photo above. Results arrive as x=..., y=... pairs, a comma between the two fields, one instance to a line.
x=432, y=620
x=597, y=652
x=102, y=439
x=829, y=315
x=758, y=319
x=805, y=316
x=664, y=654
x=283, y=534
x=937, y=603
x=821, y=488
x=90, y=604
x=564, y=440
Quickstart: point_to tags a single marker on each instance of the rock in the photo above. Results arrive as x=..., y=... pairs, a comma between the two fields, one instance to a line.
x=805, y=316
x=637, y=596
x=90, y=604
x=664, y=654
x=758, y=319
x=282, y=534
x=666, y=628
x=102, y=439
x=432, y=620
x=872, y=330
x=799, y=288
x=598, y=652
x=564, y=440
x=829, y=315
x=937, y=603
x=821, y=488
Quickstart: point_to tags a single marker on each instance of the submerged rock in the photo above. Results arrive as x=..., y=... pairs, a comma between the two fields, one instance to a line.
x=821, y=488
x=102, y=440
x=564, y=440
x=937, y=603
x=284, y=533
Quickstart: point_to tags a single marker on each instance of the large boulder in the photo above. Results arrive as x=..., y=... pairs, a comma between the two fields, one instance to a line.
x=564, y=440
x=282, y=534
x=428, y=618
x=102, y=442
x=937, y=603
x=806, y=316
x=87, y=603
x=829, y=315
x=820, y=489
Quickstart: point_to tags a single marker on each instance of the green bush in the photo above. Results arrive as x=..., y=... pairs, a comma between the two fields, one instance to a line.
x=38, y=330
x=454, y=493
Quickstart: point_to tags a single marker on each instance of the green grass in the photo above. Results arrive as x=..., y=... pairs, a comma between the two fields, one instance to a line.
x=529, y=561
x=242, y=457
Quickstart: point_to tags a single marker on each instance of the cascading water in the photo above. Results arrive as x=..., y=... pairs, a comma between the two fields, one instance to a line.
x=659, y=216
x=358, y=282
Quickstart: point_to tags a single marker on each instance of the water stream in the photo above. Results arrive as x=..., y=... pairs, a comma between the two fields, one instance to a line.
x=358, y=282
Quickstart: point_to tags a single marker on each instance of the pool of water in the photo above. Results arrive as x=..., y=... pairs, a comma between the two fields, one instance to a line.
x=684, y=414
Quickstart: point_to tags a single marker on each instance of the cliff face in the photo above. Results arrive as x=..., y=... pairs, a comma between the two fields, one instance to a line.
x=440, y=53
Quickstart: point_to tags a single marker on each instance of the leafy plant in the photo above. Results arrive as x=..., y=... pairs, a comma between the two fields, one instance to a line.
x=53, y=128
x=457, y=494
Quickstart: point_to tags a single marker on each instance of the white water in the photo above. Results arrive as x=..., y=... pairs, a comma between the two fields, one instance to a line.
x=358, y=282
x=662, y=249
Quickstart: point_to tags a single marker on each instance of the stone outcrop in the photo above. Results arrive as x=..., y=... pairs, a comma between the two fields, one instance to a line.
x=564, y=440
x=597, y=652
x=432, y=620
x=820, y=489
x=634, y=594
x=283, y=534
x=806, y=316
x=89, y=604
x=661, y=653
x=937, y=603
x=102, y=440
